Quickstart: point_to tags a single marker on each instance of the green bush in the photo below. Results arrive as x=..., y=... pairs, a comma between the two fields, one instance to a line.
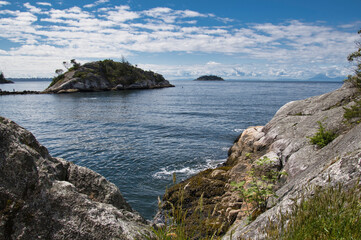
x=353, y=113
x=331, y=213
x=57, y=79
x=322, y=137
x=260, y=188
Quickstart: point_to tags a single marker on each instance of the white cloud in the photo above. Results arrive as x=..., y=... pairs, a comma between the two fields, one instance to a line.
x=3, y=3
x=95, y=3
x=212, y=63
x=32, y=8
x=169, y=15
x=121, y=14
x=44, y=4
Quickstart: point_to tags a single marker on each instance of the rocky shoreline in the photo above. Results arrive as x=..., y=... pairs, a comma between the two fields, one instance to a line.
x=46, y=197
x=285, y=140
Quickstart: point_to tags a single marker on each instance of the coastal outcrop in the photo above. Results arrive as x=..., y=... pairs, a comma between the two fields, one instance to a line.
x=42, y=197
x=285, y=143
x=105, y=76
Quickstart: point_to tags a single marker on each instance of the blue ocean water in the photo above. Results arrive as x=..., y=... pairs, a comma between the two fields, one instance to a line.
x=137, y=139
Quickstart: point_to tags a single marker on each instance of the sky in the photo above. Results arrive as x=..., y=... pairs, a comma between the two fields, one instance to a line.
x=182, y=39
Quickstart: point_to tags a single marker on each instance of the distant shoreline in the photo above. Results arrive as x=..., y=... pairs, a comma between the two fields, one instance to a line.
x=19, y=92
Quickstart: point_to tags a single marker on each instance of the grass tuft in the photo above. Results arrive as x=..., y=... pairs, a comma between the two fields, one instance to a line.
x=333, y=212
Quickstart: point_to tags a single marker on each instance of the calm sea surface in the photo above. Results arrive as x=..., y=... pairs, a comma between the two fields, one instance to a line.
x=137, y=139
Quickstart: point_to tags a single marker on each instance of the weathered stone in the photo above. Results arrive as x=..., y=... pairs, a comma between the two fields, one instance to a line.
x=42, y=197
x=286, y=136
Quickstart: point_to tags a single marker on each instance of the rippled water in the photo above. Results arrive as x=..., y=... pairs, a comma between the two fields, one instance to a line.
x=138, y=139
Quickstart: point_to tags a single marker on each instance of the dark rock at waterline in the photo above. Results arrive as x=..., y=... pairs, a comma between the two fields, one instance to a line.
x=18, y=92
x=104, y=76
x=42, y=197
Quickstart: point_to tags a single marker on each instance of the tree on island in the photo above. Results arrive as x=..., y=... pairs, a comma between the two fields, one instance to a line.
x=3, y=79
x=210, y=78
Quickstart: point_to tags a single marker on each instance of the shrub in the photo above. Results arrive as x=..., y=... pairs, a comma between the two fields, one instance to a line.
x=322, y=137
x=354, y=112
x=176, y=226
x=333, y=212
x=261, y=186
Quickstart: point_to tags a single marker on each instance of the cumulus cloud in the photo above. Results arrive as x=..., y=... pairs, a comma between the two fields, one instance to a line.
x=2, y=3
x=295, y=48
x=32, y=8
x=96, y=3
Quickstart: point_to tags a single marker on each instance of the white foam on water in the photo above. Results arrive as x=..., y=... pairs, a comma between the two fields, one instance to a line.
x=238, y=130
x=225, y=149
x=167, y=172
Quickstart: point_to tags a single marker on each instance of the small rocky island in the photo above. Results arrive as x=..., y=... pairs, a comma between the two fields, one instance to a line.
x=209, y=78
x=105, y=75
x=3, y=79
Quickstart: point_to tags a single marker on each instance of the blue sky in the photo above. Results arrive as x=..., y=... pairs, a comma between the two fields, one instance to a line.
x=236, y=39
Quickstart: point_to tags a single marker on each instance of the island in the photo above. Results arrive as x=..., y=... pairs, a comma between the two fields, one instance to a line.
x=3, y=79
x=104, y=75
x=209, y=78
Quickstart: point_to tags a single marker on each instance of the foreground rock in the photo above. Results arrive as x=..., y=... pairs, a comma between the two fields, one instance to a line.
x=104, y=76
x=42, y=197
x=285, y=140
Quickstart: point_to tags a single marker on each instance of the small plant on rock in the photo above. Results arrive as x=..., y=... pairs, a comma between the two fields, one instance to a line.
x=322, y=136
x=260, y=188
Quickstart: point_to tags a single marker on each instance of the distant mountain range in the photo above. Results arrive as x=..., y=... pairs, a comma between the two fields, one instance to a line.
x=316, y=78
x=323, y=77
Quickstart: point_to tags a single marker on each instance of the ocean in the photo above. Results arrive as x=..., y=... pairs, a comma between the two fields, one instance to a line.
x=137, y=139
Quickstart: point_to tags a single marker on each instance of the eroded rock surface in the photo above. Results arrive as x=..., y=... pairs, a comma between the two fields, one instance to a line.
x=42, y=197
x=286, y=139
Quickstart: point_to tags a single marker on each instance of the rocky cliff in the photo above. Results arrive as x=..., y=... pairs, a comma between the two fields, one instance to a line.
x=285, y=141
x=42, y=197
x=104, y=76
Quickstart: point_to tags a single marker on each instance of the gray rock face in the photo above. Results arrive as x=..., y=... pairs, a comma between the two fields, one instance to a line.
x=285, y=139
x=42, y=197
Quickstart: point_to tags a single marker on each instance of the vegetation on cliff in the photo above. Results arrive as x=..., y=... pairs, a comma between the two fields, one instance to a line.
x=209, y=78
x=353, y=113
